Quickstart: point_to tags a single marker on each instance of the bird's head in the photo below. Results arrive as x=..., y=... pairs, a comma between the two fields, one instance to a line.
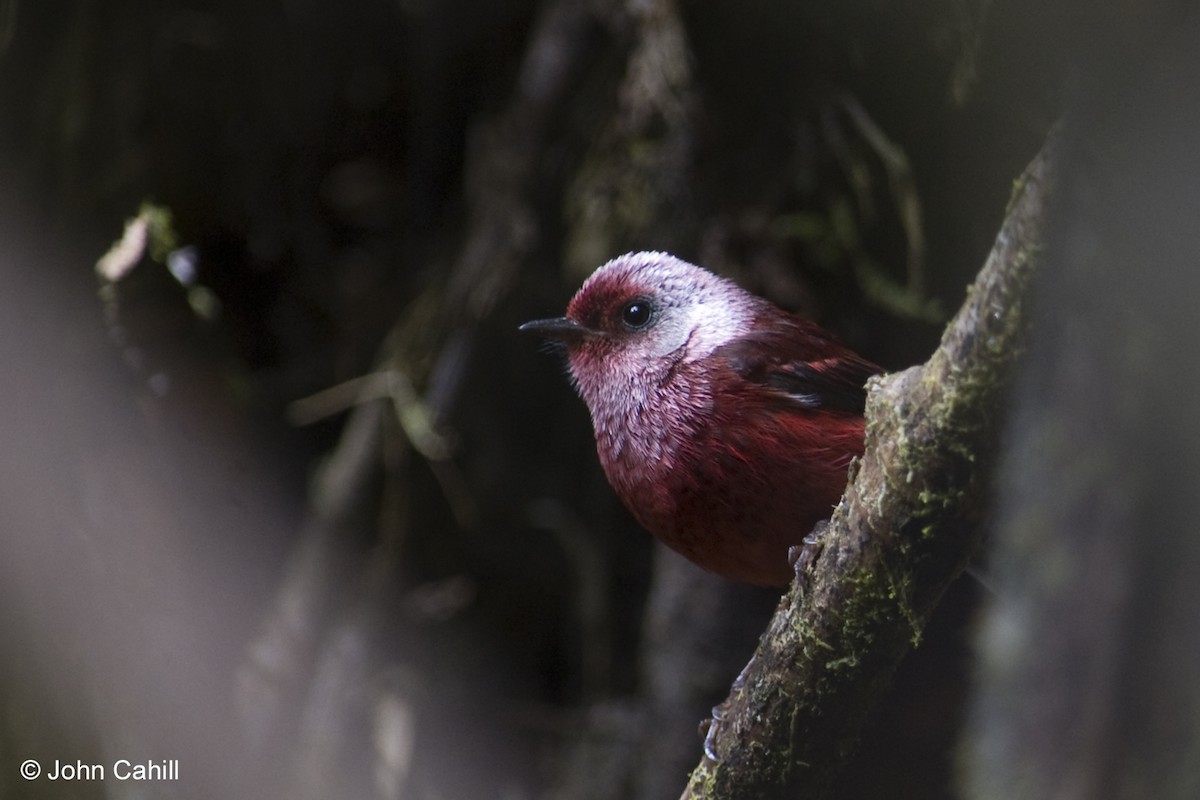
x=638, y=316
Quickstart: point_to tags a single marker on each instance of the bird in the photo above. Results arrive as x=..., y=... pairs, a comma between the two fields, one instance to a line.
x=723, y=423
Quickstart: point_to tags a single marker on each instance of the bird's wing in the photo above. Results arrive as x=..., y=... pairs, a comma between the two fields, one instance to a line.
x=804, y=363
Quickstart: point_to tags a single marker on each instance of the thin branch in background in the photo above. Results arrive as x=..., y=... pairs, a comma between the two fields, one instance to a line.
x=902, y=187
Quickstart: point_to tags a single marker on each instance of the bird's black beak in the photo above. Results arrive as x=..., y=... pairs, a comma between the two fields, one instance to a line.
x=563, y=329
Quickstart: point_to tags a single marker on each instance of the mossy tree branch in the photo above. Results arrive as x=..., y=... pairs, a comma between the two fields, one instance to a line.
x=907, y=526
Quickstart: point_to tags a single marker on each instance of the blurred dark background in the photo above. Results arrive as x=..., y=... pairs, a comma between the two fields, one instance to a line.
x=285, y=495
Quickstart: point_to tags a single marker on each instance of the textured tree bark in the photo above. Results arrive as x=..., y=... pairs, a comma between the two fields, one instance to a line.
x=908, y=525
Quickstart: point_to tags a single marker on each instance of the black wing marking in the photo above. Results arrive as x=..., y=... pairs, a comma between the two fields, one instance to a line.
x=805, y=364
x=829, y=383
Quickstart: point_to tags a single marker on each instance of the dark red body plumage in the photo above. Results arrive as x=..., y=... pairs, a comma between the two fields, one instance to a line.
x=724, y=424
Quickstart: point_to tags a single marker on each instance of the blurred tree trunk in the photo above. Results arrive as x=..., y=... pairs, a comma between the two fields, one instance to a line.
x=1091, y=648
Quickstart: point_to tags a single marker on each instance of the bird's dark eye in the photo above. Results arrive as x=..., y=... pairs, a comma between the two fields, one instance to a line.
x=636, y=313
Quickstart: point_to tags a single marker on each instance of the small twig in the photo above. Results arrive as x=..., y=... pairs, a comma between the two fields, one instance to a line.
x=336, y=399
x=900, y=184
x=411, y=411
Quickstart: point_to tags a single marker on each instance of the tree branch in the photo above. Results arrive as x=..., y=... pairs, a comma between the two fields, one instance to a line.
x=906, y=528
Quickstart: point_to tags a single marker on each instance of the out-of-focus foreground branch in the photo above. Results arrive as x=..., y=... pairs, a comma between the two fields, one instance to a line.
x=907, y=527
